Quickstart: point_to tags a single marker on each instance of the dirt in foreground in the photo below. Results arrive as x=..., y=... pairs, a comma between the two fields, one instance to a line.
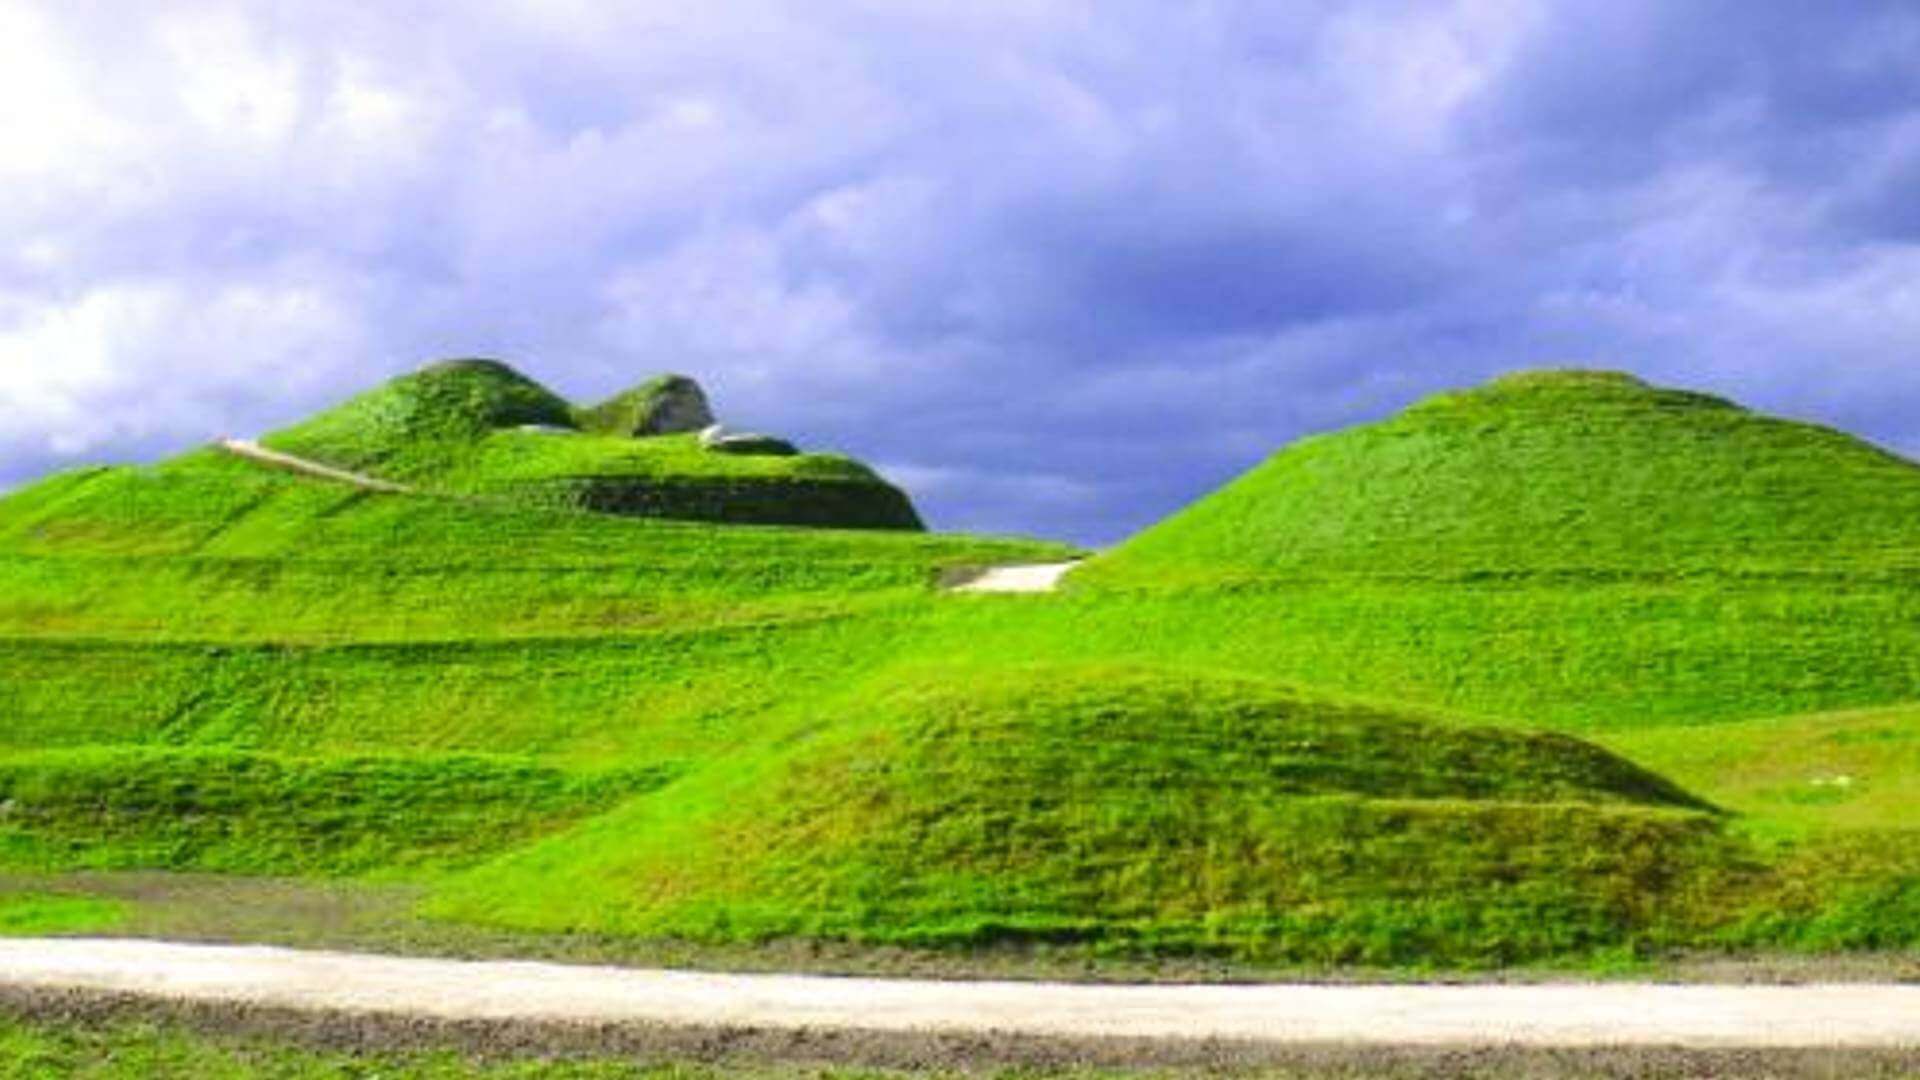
x=748, y=1051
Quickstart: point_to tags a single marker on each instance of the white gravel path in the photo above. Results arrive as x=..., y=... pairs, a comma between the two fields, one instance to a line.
x=1022, y=578
x=253, y=451
x=1606, y=1014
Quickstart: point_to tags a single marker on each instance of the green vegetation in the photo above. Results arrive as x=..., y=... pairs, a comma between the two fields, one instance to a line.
x=1578, y=476
x=1801, y=775
x=256, y=813
x=479, y=428
x=659, y=406
x=34, y=914
x=1141, y=811
x=1567, y=669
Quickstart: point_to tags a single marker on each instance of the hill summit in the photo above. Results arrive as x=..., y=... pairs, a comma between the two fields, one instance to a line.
x=1550, y=472
x=479, y=427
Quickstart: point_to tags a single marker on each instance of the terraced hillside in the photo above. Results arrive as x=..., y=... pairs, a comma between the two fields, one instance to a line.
x=480, y=428
x=1546, y=671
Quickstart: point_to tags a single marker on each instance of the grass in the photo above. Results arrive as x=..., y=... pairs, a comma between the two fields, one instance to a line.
x=1390, y=701
x=1138, y=811
x=1581, y=476
x=241, y=812
x=479, y=428
x=36, y=914
x=1798, y=776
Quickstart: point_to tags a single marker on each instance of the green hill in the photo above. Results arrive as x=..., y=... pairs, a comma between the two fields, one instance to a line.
x=1580, y=549
x=1588, y=474
x=1563, y=669
x=479, y=428
x=1139, y=810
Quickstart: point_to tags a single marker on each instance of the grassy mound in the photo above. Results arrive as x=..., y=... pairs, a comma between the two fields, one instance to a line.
x=479, y=428
x=1132, y=809
x=1577, y=549
x=661, y=405
x=1572, y=473
x=444, y=682
x=410, y=427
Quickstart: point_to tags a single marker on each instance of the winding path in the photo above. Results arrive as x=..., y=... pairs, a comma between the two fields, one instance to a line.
x=253, y=451
x=1559, y=1015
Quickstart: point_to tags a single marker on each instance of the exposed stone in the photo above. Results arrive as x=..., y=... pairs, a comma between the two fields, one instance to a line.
x=718, y=439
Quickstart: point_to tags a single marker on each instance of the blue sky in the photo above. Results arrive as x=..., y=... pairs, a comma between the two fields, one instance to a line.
x=1056, y=267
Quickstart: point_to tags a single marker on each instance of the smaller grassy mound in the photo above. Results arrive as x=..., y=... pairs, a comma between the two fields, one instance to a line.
x=673, y=476
x=479, y=428
x=1133, y=809
x=662, y=405
x=238, y=812
x=412, y=426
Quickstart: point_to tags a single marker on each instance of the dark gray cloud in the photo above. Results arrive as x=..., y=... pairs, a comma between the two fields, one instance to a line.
x=1060, y=267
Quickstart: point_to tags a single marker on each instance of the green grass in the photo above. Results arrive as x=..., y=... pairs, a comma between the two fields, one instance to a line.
x=1140, y=811
x=479, y=428
x=1801, y=775
x=226, y=810
x=1576, y=475
x=1466, y=688
x=34, y=914
x=641, y=410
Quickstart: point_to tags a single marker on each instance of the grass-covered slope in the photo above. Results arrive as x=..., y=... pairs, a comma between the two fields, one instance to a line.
x=1136, y=809
x=1574, y=548
x=211, y=601
x=212, y=665
x=559, y=720
x=1577, y=473
x=479, y=428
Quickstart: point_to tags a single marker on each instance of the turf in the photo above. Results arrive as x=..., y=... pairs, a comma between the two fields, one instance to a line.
x=32, y=914
x=479, y=428
x=1142, y=811
x=234, y=811
x=1584, y=475
x=1491, y=682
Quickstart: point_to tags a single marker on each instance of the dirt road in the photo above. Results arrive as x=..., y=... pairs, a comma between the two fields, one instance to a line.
x=1562, y=1015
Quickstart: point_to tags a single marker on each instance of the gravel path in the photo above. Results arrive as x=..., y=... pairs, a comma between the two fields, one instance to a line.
x=1563, y=1015
x=1024, y=578
x=253, y=451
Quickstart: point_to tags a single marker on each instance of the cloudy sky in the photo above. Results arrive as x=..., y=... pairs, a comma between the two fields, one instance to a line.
x=1057, y=267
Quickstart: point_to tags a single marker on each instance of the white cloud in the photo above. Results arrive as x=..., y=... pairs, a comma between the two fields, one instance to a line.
x=1066, y=262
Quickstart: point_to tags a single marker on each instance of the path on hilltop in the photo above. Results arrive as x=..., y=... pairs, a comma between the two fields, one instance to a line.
x=1017, y=578
x=1560, y=1015
x=253, y=451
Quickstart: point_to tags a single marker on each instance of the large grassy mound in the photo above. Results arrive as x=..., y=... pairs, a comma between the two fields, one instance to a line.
x=479, y=428
x=1582, y=474
x=1574, y=548
x=1140, y=809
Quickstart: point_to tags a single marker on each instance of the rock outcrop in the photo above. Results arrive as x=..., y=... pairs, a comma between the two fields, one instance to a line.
x=718, y=439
